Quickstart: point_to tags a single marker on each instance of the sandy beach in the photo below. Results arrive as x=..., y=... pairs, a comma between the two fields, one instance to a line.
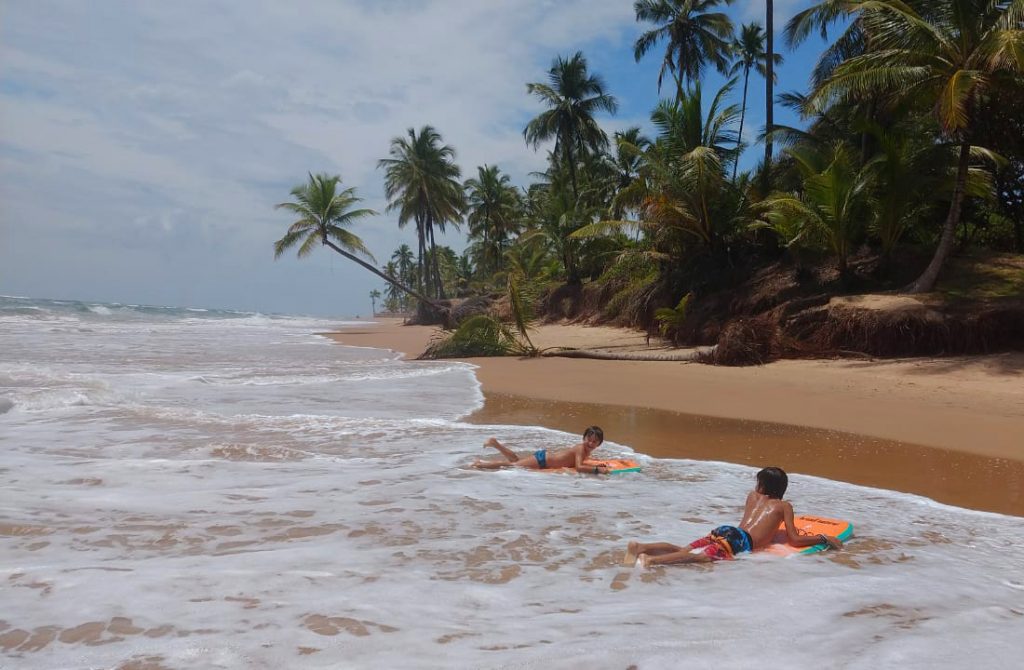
x=951, y=429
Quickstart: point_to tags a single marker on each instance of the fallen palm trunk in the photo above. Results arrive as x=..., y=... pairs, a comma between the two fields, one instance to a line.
x=684, y=356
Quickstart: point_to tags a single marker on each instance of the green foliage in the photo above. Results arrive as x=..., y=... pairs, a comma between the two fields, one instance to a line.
x=832, y=208
x=479, y=335
x=945, y=57
x=630, y=280
x=494, y=215
x=686, y=201
x=522, y=297
x=985, y=276
x=670, y=319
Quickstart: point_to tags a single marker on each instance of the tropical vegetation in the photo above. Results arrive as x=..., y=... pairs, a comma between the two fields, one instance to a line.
x=907, y=168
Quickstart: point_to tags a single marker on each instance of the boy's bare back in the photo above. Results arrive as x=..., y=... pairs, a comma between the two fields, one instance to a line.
x=762, y=516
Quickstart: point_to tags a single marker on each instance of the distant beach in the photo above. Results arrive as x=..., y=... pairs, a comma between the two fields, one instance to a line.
x=946, y=428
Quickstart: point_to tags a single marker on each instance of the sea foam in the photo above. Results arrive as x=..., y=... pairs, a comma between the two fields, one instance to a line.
x=324, y=517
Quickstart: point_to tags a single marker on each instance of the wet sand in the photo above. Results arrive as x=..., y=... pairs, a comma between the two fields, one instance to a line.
x=948, y=429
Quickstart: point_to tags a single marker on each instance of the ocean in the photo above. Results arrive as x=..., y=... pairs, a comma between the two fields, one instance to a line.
x=186, y=488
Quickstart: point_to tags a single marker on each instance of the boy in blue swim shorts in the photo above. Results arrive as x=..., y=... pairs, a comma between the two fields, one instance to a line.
x=542, y=459
x=764, y=511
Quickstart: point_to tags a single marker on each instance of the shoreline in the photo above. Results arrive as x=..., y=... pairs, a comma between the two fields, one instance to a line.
x=947, y=429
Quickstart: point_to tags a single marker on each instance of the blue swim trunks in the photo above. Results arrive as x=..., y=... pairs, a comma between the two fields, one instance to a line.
x=542, y=458
x=738, y=539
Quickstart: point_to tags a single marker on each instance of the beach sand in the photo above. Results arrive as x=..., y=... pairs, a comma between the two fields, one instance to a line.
x=951, y=429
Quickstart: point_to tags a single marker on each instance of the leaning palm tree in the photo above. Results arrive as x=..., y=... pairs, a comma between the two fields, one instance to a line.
x=572, y=96
x=324, y=214
x=748, y=49
x=422, y=183
x=948, y=55
x=694, y=37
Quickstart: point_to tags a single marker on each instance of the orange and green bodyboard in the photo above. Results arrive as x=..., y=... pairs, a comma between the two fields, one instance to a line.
x=809, y=525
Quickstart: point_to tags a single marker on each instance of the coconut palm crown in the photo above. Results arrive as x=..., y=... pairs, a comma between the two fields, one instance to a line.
x=572, y=96
x=694, y=37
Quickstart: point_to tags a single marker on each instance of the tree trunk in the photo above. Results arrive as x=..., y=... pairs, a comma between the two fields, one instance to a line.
x=572, y=171
x=926, y=282
x=422, y=276
x=769, y=91
x=438, y=282
x=679, y=86
x=391, y=280
x=743, y=113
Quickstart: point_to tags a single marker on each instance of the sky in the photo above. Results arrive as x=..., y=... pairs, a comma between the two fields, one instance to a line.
x=143, y=145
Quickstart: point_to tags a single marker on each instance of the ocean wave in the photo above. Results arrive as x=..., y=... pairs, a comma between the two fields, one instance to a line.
x=49, y=400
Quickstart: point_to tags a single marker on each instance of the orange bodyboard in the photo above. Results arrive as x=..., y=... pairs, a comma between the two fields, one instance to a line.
x=808, y=525
x=616, y=466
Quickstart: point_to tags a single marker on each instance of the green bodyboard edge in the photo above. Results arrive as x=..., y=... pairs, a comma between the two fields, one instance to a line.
x=822, y=547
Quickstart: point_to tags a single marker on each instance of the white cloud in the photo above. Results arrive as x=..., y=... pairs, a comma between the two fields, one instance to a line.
x=170, y=129
x=169, y=126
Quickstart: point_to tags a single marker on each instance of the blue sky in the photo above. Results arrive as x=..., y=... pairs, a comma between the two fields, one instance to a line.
x=144, y=144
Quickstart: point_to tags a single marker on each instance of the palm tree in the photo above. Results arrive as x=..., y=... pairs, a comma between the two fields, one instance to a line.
x=624, y=166
x=949, y=55
x=394, y=300
x=820, y=16
x=422, y=183
x=324, y=213
x=402, y=258
x=683, y=193
x=374, y=297
x=572, y=96
x=694, y=36
x=835, y=202
x=492, y=213
x=749, y=52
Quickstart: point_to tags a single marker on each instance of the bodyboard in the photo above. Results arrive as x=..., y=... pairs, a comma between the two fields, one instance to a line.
x=808, y=525
x=618, y=465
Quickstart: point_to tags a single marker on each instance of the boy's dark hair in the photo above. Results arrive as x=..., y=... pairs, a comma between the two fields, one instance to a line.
x=772, y=482
x=595, y=431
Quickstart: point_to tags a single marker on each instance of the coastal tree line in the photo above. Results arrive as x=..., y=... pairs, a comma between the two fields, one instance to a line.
x=912, y=142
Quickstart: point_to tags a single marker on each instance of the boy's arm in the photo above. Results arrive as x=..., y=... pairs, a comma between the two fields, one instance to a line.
x=584, y=468
x=795, y=538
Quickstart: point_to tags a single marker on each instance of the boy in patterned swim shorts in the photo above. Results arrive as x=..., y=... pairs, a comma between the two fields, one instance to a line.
x=541, y=459
x=764, y=511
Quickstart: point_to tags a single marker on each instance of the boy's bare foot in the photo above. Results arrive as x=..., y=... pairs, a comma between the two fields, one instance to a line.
x=491, y=442
x=629, y=560
x=644, y=560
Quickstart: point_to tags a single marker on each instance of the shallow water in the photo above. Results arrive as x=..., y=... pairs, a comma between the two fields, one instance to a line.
x=221, y=490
